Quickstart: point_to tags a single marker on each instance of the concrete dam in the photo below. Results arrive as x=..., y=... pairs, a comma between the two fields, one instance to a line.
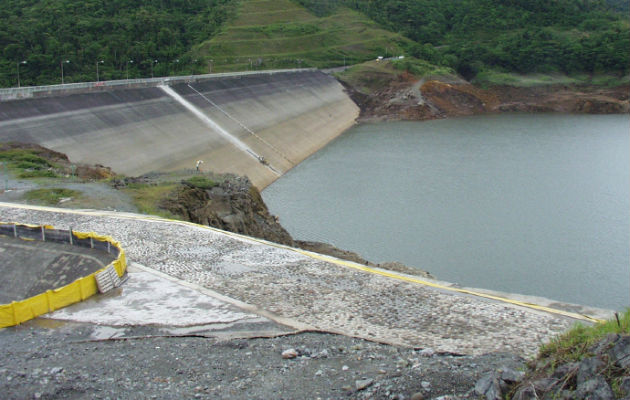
x=254, y=124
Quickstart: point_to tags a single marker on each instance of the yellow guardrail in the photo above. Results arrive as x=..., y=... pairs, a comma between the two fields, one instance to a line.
x=21, y=311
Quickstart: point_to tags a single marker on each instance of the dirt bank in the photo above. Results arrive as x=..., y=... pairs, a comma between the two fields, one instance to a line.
x=405, y=97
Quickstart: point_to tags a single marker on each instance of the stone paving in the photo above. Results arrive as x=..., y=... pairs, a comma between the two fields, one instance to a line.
x=313, y=293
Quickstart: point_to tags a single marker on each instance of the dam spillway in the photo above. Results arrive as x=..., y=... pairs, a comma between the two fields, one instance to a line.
x=283, y=117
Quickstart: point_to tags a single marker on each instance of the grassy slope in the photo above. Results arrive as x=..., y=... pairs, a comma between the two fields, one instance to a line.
x=282, y=34
x=371, y=76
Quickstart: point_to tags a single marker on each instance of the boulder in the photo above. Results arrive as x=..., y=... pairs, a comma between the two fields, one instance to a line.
x=594, y=389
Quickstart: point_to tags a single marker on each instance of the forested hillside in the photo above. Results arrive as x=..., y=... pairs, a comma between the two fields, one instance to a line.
x=129, y=37
x=122, y=38
x=515, y=35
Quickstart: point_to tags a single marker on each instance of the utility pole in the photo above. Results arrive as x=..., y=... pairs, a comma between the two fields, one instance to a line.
x=62, y=63
x=153, y=62
x=97, y=63
x=128, y=62
x=18, y=71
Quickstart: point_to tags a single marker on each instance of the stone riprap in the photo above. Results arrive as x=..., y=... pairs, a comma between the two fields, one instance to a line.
x=313, y=293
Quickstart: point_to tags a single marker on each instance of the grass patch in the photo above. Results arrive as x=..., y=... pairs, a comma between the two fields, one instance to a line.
x=283, y=34
x=496, y=78
x=579, y=343
x=146, y=197
x=50, y=196
x=26, y=163
x=372, y=76
x=421, y=68
x=574, y=344
x=200, y=182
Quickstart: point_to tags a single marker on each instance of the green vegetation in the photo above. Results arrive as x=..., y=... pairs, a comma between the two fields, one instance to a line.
x=574, y=344
x=282, y=34
x=421, y=67
x=373, y=76
x=200, y=182
x=127, y=36
x=489, y=78
x=121, y=38
x=50, y=196
x=578, y=344
x=27, y=163
x=147, y=196
x=566, y=36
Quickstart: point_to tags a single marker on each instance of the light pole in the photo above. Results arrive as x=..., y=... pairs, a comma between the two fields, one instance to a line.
x=128, y=62
x=176, y=65
x=62, y=63
x=211, y=66
x=153, y=62
x=97, y=63
x=18, y=71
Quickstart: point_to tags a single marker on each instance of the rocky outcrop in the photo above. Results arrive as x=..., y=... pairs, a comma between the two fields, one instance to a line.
x=233, y=204
x=330, y=250
x=407, y=98
x=602, y=374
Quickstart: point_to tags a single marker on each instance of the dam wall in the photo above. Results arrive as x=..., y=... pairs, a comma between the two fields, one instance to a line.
x=254, y=124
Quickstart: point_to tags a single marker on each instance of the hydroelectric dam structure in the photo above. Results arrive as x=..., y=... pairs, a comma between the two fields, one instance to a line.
x=257, y=124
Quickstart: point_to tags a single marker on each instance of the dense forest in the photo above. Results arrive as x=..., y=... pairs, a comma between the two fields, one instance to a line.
x=45, y=41
x=120, y=38
x=522, y=36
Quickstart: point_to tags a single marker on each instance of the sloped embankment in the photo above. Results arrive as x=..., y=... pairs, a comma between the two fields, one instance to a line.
x=283, y=117
x=384, y=93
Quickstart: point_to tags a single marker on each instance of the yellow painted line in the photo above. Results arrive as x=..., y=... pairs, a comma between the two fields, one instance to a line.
x=321, y=257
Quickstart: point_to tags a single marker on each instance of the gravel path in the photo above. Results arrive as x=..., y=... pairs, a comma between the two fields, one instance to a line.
x=67, y=362
x=95, y=194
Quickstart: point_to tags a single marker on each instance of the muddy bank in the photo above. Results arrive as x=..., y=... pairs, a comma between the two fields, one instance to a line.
x=405, y=97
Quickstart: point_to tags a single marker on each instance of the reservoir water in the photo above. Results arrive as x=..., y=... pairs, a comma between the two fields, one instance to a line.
x=531, y=204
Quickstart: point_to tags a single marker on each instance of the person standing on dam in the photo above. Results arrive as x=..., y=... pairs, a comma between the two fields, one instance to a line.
x=198, y=165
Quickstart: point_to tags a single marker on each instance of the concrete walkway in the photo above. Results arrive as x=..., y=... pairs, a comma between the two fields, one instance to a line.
x=293, y=288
